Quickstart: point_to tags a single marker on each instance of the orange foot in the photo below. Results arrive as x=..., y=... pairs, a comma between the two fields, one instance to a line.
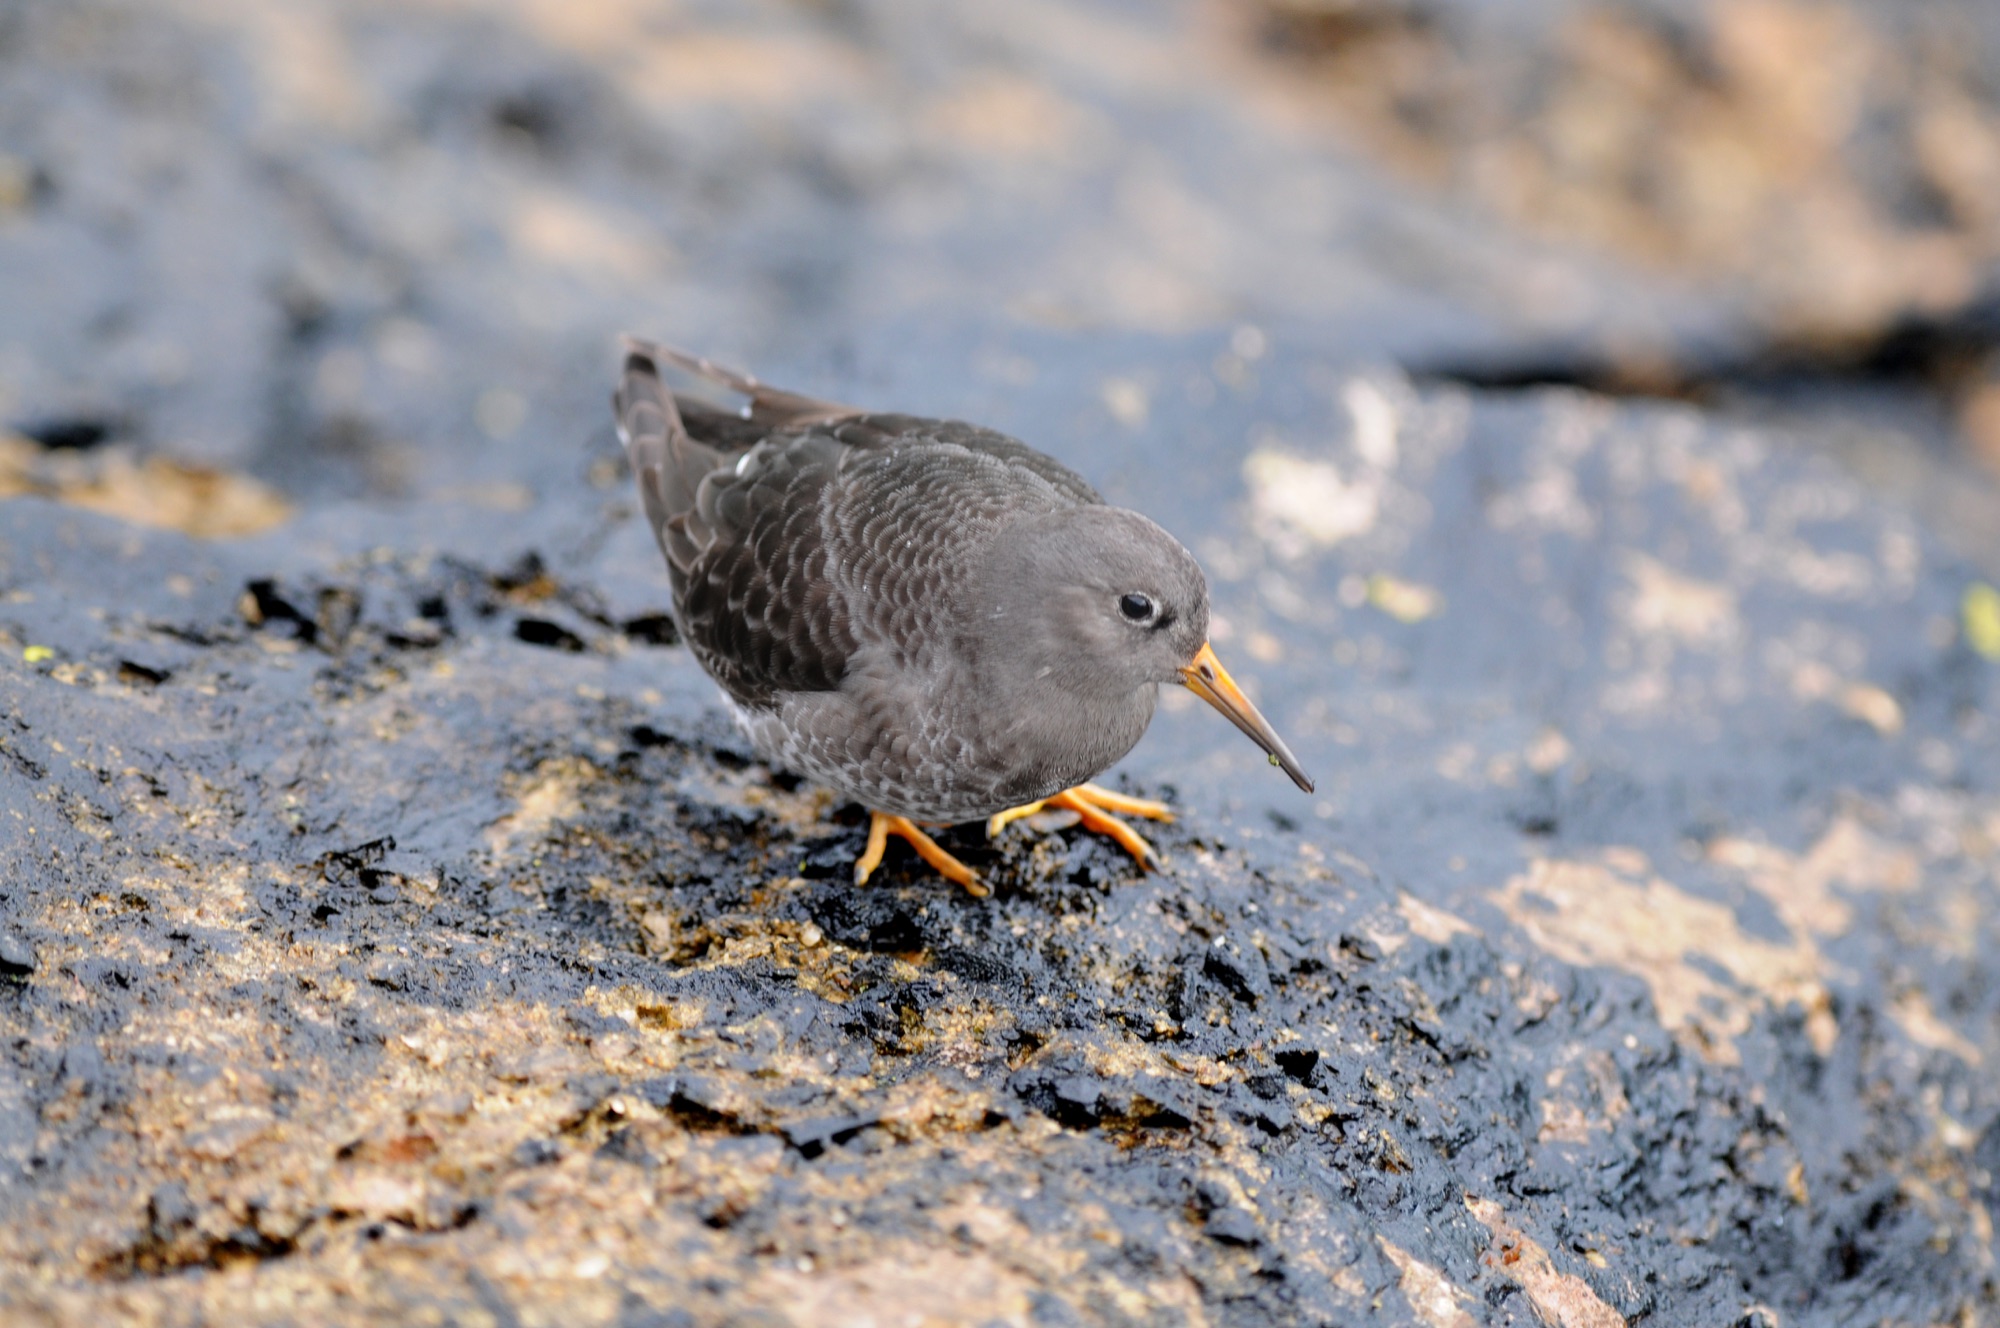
x=881, y=825
x=1096, y=806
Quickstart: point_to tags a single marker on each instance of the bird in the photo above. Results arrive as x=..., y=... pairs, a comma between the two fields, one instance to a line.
x=929, y=617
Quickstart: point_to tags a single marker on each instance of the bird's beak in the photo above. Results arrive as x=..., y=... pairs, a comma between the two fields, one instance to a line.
x=1207, y=679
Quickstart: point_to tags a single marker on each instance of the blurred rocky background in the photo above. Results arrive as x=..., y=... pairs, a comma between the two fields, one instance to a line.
x=349, y=247
x=1588, y=414
x=1825, y=174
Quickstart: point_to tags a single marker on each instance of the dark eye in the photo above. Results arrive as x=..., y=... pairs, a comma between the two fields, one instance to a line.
x=1135, y=606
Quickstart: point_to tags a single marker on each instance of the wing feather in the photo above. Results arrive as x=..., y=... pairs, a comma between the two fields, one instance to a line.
x=809, y=533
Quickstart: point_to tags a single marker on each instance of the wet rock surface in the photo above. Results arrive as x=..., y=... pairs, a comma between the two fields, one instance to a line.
x=400, y=926
x=395, y=930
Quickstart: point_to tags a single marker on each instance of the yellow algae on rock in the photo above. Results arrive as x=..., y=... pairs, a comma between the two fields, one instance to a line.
x=1801, y=886
x=154, y=491
x=1668, y=603
x=1616, y=911
x=550, y=795
x=1431, y=1295
x=1405, y=601
x=1559, y=1298
x=1980, y=610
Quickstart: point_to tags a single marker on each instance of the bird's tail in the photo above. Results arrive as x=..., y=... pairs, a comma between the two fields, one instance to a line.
x=666, y=462
x=771, y=407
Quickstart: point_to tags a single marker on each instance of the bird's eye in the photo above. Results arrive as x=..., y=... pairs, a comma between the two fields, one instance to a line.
x=1135, y=606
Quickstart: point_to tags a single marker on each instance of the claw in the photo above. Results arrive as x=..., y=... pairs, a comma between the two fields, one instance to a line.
x=1096, y=806
x=1001, y=820
x=881, y=825
x=1112, y=801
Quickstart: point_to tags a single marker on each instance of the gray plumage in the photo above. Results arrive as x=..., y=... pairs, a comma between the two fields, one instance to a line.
x=931, y=618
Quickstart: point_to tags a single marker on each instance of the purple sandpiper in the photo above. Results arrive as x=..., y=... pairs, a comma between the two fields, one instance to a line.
x=926, y=616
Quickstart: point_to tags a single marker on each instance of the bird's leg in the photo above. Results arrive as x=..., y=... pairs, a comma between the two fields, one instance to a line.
x=1000, y=820
x=1095, y=807
x=1097, y=819
x=881, y=825
x=1110, y=800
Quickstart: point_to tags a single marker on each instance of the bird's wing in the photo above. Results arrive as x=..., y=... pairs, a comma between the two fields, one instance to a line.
x=792, y=550
x=757, y=603
x=895, y=433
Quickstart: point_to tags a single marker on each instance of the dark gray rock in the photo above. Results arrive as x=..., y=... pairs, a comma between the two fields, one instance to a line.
x=393, y=926
x=1634, y=960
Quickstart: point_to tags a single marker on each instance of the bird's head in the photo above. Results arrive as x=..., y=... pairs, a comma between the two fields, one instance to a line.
x=1103, y=604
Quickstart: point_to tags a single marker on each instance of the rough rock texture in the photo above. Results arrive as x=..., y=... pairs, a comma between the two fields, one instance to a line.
x=392, y=930
x=392, y=926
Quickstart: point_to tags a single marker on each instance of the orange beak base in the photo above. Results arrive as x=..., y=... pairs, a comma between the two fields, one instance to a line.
x=1206, y=678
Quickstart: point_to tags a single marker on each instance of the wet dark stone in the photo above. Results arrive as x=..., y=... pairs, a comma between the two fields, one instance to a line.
x=1232, y=1226
x=658, y=1091
x=140, y=675
x=867, y=919
x=542, y=632
x=17, y=958
x=265, y=605
x=76, y=434
x=701, y=1102
x=353, y=865
x=653, y=629
x=972, y=965
x=536, y=1152
x=1272, y=1115
x=1298, y=1062
x=625, y=1145
x=169, y=1211
x=814, y=1136
x=831, y=860
x=1242, y=972
x=82, y=1069
x=1644, y=901
x=587, y=1020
